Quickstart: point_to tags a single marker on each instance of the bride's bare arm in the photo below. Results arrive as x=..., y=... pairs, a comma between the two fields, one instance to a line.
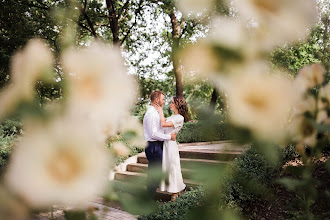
x=163, y=122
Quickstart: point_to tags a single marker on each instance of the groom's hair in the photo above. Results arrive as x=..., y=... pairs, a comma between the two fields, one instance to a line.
x=155, y=94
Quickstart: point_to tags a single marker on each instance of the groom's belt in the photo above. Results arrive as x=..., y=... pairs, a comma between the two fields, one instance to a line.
x=156, y=142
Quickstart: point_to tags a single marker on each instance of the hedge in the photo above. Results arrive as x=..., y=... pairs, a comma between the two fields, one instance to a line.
x=250, y=178
x=9, y=131
x=180, y=209
x=203, y=132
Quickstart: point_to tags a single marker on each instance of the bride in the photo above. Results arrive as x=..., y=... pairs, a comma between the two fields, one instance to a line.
x=171, y=158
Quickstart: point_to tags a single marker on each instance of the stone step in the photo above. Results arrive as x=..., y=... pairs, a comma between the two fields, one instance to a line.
x=186, y=162
x=209, y=154
x=143, y=168
x=142, y=177
x=137, y=167
x=206, y=154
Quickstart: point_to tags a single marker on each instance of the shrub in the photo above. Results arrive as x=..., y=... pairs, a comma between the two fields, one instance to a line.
x=250, y=177
x=289, y=153
x=179, y=209
x=9, y=130
x=203, y=131
x=10, y=127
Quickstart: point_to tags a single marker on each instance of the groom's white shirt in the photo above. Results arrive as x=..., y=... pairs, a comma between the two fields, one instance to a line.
x=153, y=131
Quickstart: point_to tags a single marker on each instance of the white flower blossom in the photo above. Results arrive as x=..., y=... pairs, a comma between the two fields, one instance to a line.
x=301, y=130
x=120, y=149
x=131, y=126
x=227, y=32
x=324, y=97
x=58, y=163
x=194, y=7
x=200, y=58
x=309, y=77
x=275, y=19
x=260, y=103
x=99, y=85
x=27, y=66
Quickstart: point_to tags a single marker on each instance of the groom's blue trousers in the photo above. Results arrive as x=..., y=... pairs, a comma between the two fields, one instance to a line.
x=154, y=153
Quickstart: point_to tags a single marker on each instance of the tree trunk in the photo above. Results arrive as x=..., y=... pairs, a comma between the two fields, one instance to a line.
x=214, y=98
x=113, y=20
x=176, y=31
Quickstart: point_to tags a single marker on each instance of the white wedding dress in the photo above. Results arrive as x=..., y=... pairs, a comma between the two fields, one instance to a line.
x=171, y=159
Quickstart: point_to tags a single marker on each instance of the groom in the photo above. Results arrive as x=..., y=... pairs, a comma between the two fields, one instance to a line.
x=154, y=135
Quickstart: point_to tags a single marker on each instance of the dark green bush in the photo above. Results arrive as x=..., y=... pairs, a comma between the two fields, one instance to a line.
x=203, y=132
x=250, y=177
x=178, y=210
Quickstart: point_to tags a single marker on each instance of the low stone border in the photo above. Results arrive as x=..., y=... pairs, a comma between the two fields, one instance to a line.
x=122, y=167
x=204, y=143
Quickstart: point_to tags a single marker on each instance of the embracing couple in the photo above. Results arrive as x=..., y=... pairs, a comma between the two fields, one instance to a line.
x=162, y=150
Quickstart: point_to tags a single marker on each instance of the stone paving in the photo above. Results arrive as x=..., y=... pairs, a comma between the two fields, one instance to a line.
x=213, y=146
x=103, y=212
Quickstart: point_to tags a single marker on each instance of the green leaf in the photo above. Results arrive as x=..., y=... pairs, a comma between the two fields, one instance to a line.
x=290, y=183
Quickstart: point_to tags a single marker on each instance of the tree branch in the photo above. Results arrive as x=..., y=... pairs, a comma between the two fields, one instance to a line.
x=84, y=26
x=89, y=22
x=33, y=5
x=138, y=11
x=85, y=5
x=125, y=6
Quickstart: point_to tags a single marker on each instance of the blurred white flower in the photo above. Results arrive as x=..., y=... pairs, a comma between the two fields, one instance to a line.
x=324, y=97
x=228, y=33
x=260, y=103
x=309, y=77
x=301, y=130
x=99, y=85
x=58, y=163
x=120, y=149
x=9, y=98
x=194, y=7
x=322, y=117
x=305, y=104
x=10, y=207
x=200, y=58
x=29, y=64
x=132, y=131
x=276, y=19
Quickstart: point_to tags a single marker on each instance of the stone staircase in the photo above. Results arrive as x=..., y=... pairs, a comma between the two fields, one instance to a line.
x=191, y=156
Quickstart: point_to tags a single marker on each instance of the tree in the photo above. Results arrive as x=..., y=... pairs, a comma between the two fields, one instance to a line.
x=19, y=22
x=315, y=50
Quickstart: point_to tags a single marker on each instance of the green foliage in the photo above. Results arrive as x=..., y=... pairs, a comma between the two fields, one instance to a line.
x=289, y=153
x=180, y=209
x=10, y=127
x=20, y=22
x=75, y=215
x=202, y=131
x=251, y=175
x=9, y=130
x=293, y=58
x=314, y=50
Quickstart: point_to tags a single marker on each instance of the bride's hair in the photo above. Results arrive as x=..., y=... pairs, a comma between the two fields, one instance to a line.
x=181, y=105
